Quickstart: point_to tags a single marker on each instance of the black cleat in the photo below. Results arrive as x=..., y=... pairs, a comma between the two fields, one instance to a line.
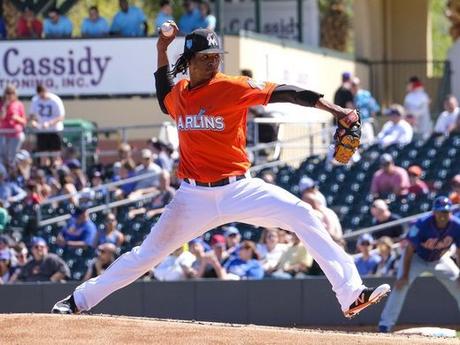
x=65, y=306
x=368, y=297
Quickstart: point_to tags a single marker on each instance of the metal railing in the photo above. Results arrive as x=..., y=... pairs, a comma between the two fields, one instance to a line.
x=380, y=227
x=107, y=202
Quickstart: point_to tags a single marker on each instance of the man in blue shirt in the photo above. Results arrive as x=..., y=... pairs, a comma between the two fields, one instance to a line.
x=57, y=25
x=368, y=108
x=10, y=192
x=191, y=19
x=94, y=25
x=130, y=21
x=164, y=14
x=428, y=240
x=245, y=265
x=80, y=232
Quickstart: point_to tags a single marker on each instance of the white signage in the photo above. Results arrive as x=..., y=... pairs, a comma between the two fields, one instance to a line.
x=279, y=18
x=83, y=66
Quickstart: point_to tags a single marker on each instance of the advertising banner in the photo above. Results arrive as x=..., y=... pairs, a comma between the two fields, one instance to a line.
x=83, y=66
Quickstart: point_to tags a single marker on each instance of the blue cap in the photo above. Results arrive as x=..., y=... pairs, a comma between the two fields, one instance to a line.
x=442, y=203
x=306, y=183
x=5, y=255
x=38, y=240
x=346, y=76
x=197, y=240
x=366, y=238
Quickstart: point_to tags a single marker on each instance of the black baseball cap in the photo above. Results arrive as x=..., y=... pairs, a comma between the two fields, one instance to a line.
x=203, y=41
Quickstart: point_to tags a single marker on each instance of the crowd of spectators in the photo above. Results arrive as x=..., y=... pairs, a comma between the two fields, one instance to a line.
x=129, y=21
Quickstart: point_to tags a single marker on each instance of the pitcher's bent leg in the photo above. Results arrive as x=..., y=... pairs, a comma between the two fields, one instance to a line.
x=336, y=264
x=175, y=227
x=273, y=206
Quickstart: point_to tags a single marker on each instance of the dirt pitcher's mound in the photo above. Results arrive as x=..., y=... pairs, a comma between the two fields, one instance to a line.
x=95, y=330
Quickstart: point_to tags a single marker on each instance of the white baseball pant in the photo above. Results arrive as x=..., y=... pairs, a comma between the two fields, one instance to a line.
x=194, y=210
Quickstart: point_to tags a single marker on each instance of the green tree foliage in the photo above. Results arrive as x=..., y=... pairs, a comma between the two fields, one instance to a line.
x=441, y=40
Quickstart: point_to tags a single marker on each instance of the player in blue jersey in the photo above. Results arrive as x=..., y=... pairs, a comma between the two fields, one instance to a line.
x=429, y=239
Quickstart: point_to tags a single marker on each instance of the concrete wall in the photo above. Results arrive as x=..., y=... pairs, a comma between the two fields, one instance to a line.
x=308, y=302
x=392, y=29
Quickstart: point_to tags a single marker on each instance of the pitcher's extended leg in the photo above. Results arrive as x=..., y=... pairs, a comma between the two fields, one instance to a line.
x=189, y=215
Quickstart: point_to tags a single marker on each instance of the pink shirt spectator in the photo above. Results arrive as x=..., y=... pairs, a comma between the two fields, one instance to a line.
x=395, y=182
x=8, y=122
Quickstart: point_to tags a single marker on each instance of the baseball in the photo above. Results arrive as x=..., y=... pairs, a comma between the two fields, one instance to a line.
x=167, y=29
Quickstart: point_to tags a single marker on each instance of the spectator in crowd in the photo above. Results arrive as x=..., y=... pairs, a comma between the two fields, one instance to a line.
x=207, y=18
x=327, y=216
x=110, y=233
x=343, y=96
x=447, y=119
x=307, y=185
x=270, y=250
x=125, y=153
x=388, y=258
x=416, y=185
x=105, y=256
x=417, y=103
x=368, y=108
x=3, y=33
x=94, y=25
x=199, y=266
x=162, y=154
x=454, y=195
x=245, y=265
x=28, y=25
x=47, y=113
x=130, y=21
x=191, y=19
x=13, y=120
x=97, y=181
x=10, y=192
x=21, y=253
x=173, y=267
x=57, y=25
x=164, y=14
x=396, y=130
x=43, y=266
x=77, y=173
x=286, y=237
x=33, y=197
x=268, y=176
x=366, y=262
x=232, y=240
x=7, y=269
x=206, y=265
x=148, y=167
x=213, y=258
x=44, y=188
x=4, y=217
x=295, y=261
x=159, y=202
x=66, y=184
x=127, y=170
x=381, y=214
x=80, y=232
x=23, y=168
x=389, y=178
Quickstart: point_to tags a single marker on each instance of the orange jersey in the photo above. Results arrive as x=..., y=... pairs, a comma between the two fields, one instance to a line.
x=211, y=122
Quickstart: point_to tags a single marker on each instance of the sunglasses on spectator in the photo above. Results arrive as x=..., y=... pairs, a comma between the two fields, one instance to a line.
x=365, y=243
x=38, y=246
x=111, y=220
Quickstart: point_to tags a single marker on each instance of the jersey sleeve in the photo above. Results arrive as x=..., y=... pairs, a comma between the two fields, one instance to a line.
x=245, y=92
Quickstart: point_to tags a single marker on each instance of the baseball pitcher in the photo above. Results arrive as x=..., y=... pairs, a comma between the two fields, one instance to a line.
x=210, y=110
